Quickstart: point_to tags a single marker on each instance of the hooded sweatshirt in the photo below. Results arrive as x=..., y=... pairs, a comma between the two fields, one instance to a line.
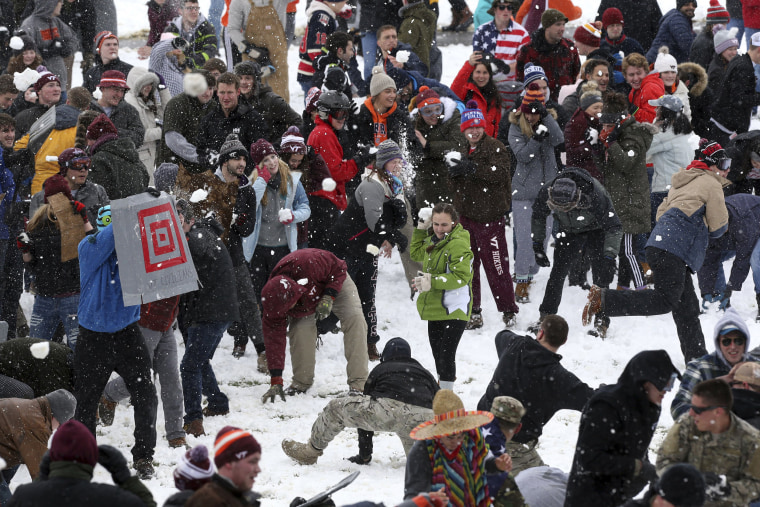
x=712, y=365
x=46, y=30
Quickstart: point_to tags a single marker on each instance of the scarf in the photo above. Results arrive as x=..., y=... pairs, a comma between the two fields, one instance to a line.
x=395, y=184
x=462, y=473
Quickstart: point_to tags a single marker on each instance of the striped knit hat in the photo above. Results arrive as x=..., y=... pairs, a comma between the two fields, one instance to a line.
x=532, y=95
x=716, y=13
x=194, y=469
x=113, y=79
x=293, y=142
x=588, y=34
x=101, y=37
x=233, y=444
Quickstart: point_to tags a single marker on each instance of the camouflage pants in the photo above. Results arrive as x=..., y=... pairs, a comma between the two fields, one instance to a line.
x=524, y=456
x=363, y=412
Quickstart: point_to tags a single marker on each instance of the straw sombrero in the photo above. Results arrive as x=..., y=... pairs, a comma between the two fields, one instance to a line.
x=450, y=418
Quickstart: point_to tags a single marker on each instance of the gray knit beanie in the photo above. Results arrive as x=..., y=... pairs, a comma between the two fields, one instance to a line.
x=387, y=151
x=380, y=81
x=62, y=405
x=232, y=148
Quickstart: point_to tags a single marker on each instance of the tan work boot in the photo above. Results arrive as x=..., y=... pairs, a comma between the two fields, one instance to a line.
x=304, y=454
x=522, y=292
x=594, y=304
x=177, y=442
x=194, y=428
x=261, y=363
x=106, y=411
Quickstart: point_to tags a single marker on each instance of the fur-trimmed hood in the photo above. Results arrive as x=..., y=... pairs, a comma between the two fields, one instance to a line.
x=319, y=6
x=697, y=70
x=449, y=106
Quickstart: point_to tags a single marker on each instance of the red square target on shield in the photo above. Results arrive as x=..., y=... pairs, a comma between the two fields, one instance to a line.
x=160, y=236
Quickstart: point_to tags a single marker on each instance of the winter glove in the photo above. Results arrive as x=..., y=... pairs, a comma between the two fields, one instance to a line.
x=24, y=242
x=285, y=216
x=422, y=282
x=722, y=299
x=152, y=191
x=363, y=158
x=541, y=258
x=44, y=467
x=88, y=60
x=460, y=167
x=275, y=390
x=716, y=486
x=541, y=133
x=360, y=460
x=55, y=49
x=114, y=461
x=208, y=158
x=648, y=471
x=324, y=307
x=613, y=136
x=79, y=209
x=264, y=173
x=591, y=136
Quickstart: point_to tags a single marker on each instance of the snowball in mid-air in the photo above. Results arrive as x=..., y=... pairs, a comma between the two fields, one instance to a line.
x=199, y=195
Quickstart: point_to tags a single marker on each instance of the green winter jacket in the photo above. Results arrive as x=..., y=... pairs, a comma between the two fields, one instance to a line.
x=450, y=264
x=418, y=29
x=625, y=175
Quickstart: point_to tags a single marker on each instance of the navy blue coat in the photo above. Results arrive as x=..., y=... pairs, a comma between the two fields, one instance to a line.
x=741, y=236
x=675, y=32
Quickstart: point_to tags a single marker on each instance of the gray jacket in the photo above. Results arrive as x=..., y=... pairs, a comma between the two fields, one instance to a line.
x=536, y=162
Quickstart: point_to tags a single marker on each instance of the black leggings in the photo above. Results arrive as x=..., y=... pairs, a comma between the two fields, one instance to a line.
x=444, y=336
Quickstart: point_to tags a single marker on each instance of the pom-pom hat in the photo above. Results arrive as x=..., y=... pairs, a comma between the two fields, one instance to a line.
x=472, y=116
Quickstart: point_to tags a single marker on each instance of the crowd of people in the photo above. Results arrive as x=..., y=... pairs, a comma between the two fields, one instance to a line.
x=530, y=147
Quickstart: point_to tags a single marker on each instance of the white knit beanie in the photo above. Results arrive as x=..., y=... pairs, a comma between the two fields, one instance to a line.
x=665, y=61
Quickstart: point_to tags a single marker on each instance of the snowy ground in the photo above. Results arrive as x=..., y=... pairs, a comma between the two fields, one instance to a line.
x=593, y=360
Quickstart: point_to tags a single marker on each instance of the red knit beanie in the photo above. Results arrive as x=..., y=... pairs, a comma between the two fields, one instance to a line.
x=612, y=16
x=74, y=442
x=100, y=127
x=426, y=96
x=260, y=150
x=57, y=184
x=233, y=444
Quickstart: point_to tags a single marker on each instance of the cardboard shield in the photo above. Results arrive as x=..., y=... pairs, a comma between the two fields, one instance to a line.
x=154, y=261
x=71, y=225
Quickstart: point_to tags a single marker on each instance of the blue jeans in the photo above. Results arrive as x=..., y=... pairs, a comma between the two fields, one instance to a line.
x=720, y=279
x=198, y=377
x=369, y=47
x=46, y=314
x=739, y=24
x=215, y=17
x=5, y=479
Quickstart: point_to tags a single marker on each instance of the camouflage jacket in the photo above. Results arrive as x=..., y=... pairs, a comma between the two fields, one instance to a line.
x=734, y=453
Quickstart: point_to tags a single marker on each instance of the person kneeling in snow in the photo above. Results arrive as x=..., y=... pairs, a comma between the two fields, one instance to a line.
x=306, y=284
x=398, y=395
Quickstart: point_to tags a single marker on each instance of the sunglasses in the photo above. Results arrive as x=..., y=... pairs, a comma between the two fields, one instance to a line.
x=432, y=110
x=701, y=410
x=502, y=7
x=739, y=341
x=340, y=114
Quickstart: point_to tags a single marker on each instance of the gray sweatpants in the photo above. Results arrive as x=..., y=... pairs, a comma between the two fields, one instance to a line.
x=162, y=348
x=382, y=414
x=524, y=258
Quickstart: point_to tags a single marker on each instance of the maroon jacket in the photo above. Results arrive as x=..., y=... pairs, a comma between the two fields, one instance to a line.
x=159, y=16
x=560, y=62
x=301, y=278
x=579, y=152
x=159, y=315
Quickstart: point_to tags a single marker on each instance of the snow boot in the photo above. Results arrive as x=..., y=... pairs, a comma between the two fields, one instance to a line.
x=144, y=469
x=106, y=411
x=303, y=454
x=536, y=326
x=238, y=351
x=601, y=324
x=261, y=363
x=522, y=292
x=593, y=306
x=194, y=428
x=647, y=272
x=476, y=320
x=465, y=21
x=510, y=319
x=177, y=442
x=210, y=412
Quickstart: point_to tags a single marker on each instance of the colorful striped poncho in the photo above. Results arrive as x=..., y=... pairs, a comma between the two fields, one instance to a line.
x=463, y=472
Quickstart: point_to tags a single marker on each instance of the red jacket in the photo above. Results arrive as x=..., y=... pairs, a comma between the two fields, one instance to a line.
x=159, y=315
x=651, y=88
x=467, y=90
x=751, y=13
x=325, y=143
x=560, y=62
x=301, y=278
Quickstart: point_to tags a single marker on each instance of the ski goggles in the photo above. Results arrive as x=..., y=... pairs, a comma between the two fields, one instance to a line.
x=340, y=114
x=432, y=110
x=78, y=164
x=724, y=164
